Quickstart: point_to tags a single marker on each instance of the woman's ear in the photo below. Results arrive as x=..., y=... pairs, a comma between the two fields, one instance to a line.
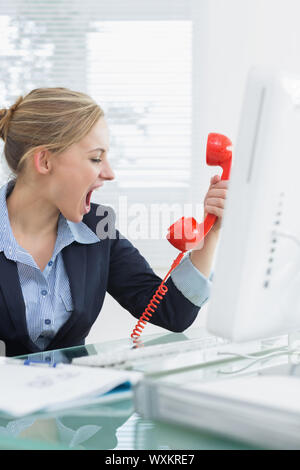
x=42, y=161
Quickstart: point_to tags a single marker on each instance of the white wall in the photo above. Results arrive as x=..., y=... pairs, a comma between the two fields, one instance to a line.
x=231, y=36
x=237, y=35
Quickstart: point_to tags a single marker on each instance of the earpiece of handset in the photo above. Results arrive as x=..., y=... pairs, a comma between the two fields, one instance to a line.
x=186, y=233
x=218, y=153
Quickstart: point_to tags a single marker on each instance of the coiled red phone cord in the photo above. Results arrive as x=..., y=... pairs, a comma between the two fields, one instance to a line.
x=154, y=302
x=218, y=152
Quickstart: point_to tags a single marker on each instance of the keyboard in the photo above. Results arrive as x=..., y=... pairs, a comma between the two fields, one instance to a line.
x=153, y=355
x=179, y=355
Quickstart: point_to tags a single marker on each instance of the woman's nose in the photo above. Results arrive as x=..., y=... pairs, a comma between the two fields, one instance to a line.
x=107, y=172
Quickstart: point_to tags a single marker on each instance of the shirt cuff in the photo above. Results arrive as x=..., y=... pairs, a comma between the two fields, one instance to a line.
x=191, y=282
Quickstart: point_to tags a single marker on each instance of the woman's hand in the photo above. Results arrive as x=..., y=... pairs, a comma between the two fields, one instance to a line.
x=214, y=201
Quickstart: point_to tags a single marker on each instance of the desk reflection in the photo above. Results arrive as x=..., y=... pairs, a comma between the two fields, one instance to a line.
x=92, y=427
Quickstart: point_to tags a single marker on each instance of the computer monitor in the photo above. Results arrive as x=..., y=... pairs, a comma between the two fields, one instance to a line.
x=256, y=284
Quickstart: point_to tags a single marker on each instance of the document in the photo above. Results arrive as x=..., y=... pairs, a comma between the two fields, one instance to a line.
x=28, y=389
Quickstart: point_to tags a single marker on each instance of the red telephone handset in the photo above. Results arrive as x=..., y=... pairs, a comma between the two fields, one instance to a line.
x=186, y=233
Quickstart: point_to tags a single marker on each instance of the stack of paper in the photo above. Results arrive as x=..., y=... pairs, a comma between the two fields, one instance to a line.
x=261, y=410
x=28, y=389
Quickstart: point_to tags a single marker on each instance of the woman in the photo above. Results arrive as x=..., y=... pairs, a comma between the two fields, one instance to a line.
x=54, y=269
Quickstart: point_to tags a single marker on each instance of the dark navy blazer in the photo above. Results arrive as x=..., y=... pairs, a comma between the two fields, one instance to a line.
x=112, y=265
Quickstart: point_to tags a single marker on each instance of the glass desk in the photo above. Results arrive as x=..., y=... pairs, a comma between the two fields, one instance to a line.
x=115, y=425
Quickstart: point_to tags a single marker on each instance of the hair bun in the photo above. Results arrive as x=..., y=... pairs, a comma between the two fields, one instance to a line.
x=3, y=111
x=3, y=122
x=5, y=117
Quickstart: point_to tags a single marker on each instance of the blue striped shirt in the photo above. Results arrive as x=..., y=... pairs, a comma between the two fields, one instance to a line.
x=47, y=295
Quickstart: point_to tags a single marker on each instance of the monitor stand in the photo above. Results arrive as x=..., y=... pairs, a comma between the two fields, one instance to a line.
x=291, y=368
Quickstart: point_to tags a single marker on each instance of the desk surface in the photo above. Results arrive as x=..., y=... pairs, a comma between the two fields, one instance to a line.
x=112, y=425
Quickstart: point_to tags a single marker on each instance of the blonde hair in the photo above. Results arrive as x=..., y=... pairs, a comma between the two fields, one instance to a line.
x=52, y=118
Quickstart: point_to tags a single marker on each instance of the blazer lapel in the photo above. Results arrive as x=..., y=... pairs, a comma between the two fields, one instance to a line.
x=75, y=260
x=12, y=292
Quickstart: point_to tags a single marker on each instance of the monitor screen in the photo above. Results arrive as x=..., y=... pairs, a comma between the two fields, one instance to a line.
x=256, y=285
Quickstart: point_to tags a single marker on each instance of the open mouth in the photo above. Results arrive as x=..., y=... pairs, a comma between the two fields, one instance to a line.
x=88, y=201
x=88, y=197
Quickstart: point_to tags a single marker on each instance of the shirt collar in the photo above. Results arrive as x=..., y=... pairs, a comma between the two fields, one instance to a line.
x=81, y=232
x=78, y=232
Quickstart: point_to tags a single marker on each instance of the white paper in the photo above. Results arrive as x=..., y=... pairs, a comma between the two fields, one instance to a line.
x=27, y=389
x=274, y=392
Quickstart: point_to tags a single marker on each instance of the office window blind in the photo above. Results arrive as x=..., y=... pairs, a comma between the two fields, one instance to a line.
x=135, y=60
x=143, y=81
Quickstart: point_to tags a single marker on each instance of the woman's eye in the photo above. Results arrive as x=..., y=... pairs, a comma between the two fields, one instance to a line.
x=97, y=160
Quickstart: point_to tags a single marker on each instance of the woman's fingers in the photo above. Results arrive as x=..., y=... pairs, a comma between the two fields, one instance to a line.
x=216, y=192
x=214, y=179
x=214, y=201
x=214, y=211
x=221, y=184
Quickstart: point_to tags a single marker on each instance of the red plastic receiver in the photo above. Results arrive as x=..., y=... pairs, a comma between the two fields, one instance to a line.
x=186, y=233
